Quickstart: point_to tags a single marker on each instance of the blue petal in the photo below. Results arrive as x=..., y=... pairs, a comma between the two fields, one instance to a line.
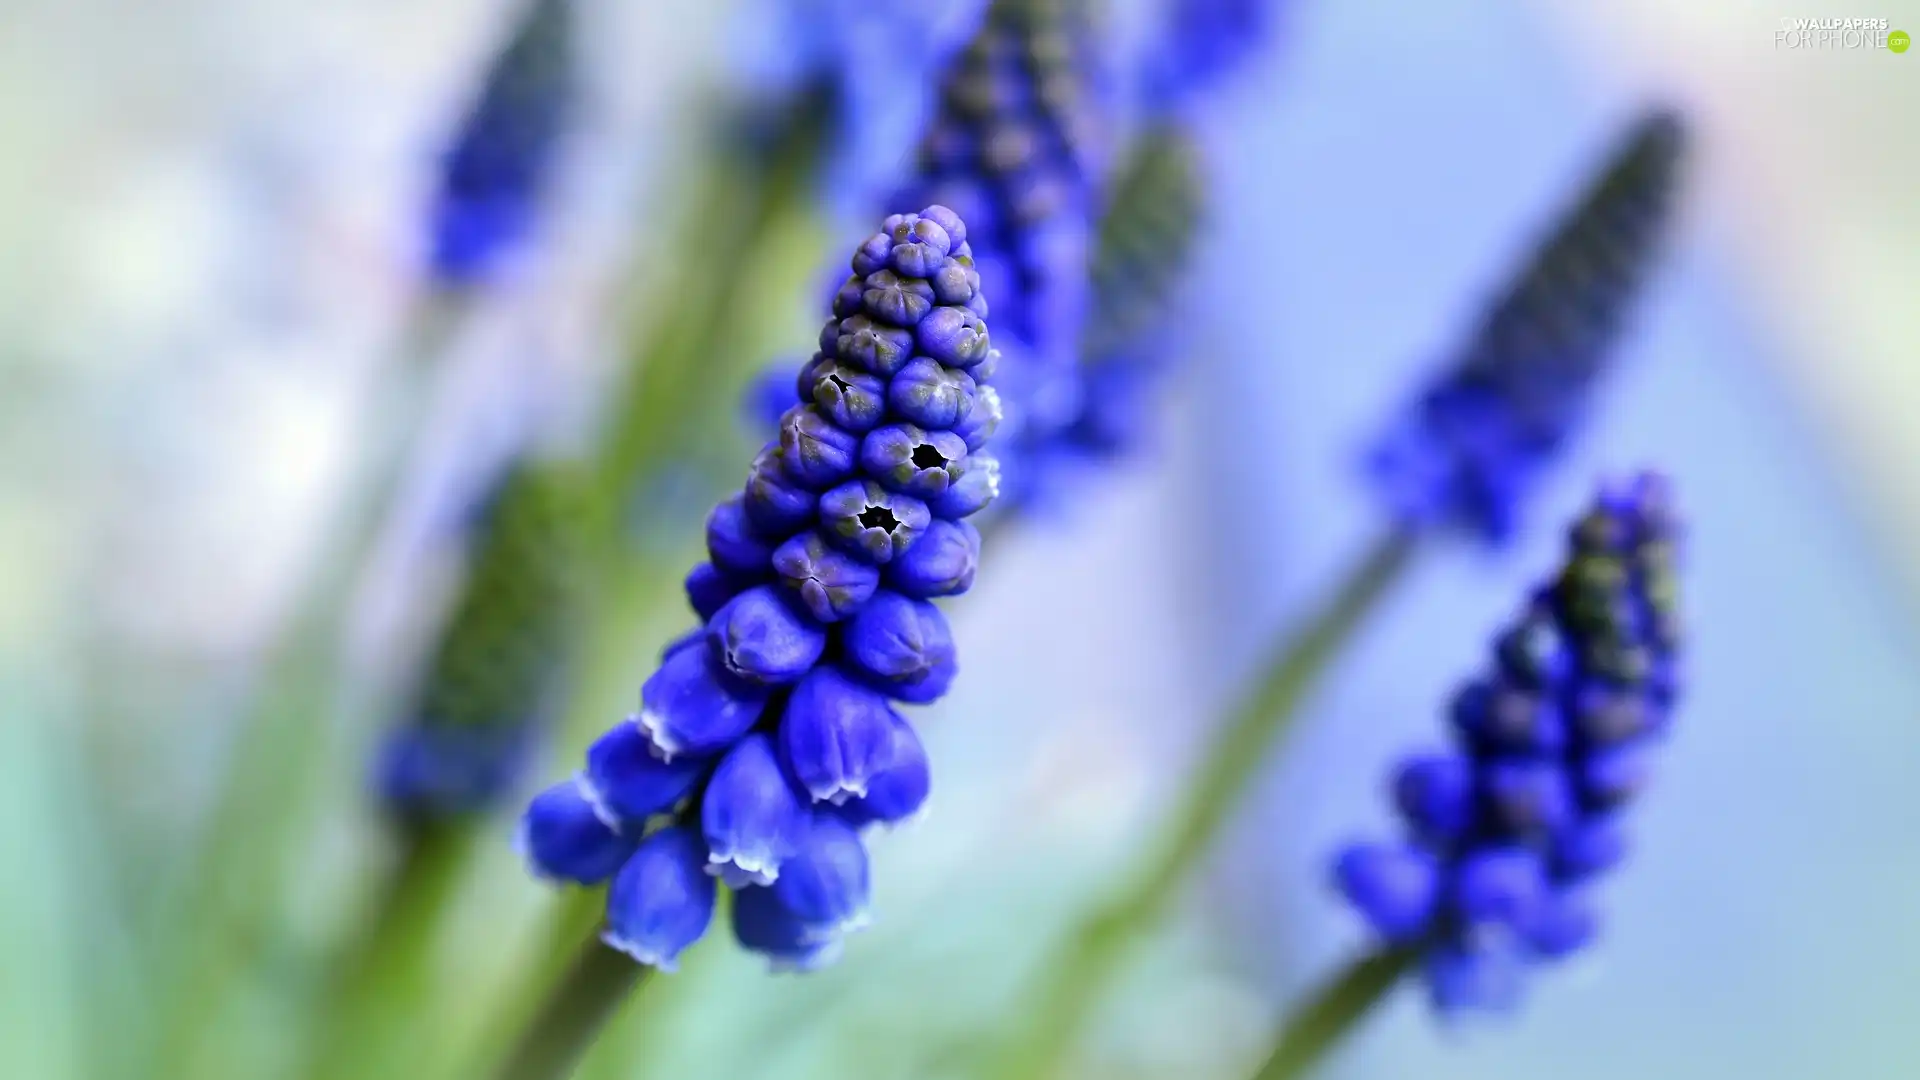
x=662, y=899
x=760, y=639
x=687, y=707
x=564, y=838
x=751, y=815
x=836, y=735
x=826, y=883
x=1396, y=889
x=899, y=789
x=630, y=783
x=763, y=925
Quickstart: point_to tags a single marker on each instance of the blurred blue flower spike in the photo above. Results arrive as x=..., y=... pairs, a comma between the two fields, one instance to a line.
x=1507, y=833
x=494, y=168
x=1475, y=442
x=1015, y=145
x=766, y=743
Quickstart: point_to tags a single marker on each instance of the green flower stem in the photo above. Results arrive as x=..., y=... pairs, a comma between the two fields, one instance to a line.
x=1332, y=1013
x=366, y=1017
x=222, y=909
x=573, y=1014
x=1097, y=949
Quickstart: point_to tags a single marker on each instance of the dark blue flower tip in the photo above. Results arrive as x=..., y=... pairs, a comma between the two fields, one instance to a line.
x=1435, y=794
x=1612, y=777
x=662, y=900
x=836, y=735
x=733, y=544
x=629, y=783
x=752, y=817
x=563, y=837
x=1498, y=887
x=914, y=461
x=899, y=790
x=941, y=563
x=896, y=640
x=688, y=707
x=1495, y=717
x=826, y=884
x=983, y=420
x=896, y=299
x=830, y=583
x=709, y=588
x=973, y=492
x=953, y=336
x=866, y=519
x=931, y=395
x=1528, y=797
x=1594, y=847
x=853, y=399
x=1396, y=889
x=873, y=346
x=1565, y=924
x=763, y=925
x=758, y=638
x=774, y=503
x=1464, y=977
x=813, y=452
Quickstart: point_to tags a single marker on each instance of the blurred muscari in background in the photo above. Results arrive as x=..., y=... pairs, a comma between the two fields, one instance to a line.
x=372, y=375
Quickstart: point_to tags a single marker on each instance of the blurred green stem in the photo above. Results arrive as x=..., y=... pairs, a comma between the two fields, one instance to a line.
x=567, y=1024
x=1097, y=948
x=1335, y=1009
x=365, y=1014
x=232, y=883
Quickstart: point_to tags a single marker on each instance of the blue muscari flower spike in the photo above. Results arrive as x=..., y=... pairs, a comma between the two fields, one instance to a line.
x=1507, y=832
x=492, y=173
x=480, y=703
x=1474, y=443
x=768, y=739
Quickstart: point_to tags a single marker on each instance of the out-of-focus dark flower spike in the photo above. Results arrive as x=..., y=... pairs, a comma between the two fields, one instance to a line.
x=1507, y=833
x=1474, y=443
x=493, y=170
x=1016, y=147
x=488, y=680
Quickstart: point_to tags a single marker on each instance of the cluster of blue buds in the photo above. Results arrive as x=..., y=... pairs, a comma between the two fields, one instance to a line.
x=1012, y=147
x=767, y=740
x=489, y=680
x=492, y=172
x=1476, y=441
x=1509, y=830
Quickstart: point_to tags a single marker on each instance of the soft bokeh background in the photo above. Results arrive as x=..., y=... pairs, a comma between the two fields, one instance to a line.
x=206, y=226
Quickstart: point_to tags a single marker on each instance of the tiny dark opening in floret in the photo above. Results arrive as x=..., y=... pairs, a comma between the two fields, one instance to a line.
x=843, y=384
x=926, y=457
x=878, y=517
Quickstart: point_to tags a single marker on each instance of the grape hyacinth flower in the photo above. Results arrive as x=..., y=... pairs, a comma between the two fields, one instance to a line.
x=1475, y=442
x=492, y=172
x=1202, y=43
x=1508, y=832
x=768, y=739
x=487, y=683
